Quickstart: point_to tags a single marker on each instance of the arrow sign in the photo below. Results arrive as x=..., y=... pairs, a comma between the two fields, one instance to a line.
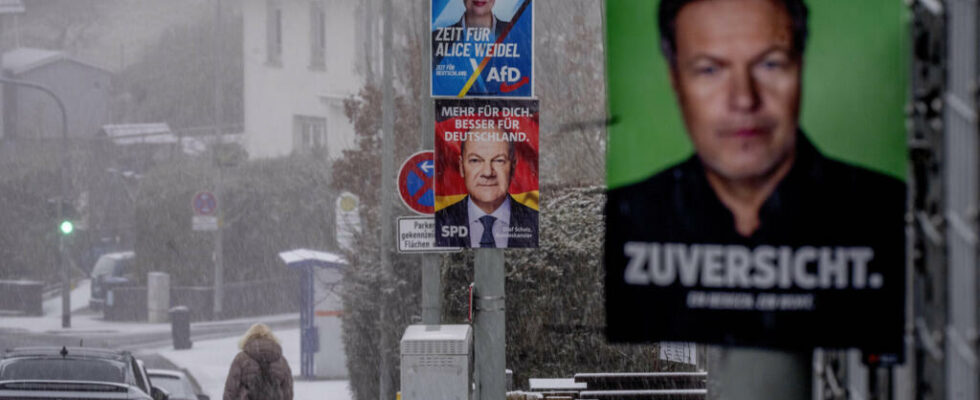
x=427, y=166
x=415, y=185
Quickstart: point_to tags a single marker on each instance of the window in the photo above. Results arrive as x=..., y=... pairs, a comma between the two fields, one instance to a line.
x=309, y=133
x=274, y=32
x=318, y=35
x=66, y=369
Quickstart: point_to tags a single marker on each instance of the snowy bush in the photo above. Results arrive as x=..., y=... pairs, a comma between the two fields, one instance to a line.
x=269, y=206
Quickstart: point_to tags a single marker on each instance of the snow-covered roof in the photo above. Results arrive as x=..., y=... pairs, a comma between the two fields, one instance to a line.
x=160, y=133
x=195, y=141
x=648, y=375
x=153, y=133
x=644, y=393
x=555, y=384
x=24, y=58
x=11, y=6
x=193, y=146
x=460, y=334
x=306, y=257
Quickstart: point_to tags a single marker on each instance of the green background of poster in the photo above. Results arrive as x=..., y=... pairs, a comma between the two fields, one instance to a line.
x=855, y=79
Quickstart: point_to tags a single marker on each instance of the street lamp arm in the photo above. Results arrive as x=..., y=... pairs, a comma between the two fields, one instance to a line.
x=65, y=279
x=49, y=92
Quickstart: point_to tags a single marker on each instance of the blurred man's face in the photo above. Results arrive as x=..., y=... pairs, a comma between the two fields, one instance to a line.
x=738, y=83
x=478, y=8
x=486, y=169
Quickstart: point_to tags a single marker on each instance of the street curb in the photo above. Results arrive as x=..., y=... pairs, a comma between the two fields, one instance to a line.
x=161, y=340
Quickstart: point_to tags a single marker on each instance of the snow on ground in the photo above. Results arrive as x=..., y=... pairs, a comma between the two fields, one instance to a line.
x=85, y=321
x=82, y=320
x=80, y=296
x=209, y=361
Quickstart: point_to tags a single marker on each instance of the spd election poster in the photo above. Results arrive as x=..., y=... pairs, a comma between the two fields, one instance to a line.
x=759, y=200
x=486, y=179
x=482, y=48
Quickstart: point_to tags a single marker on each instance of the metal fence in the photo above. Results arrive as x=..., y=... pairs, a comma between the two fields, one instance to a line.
x=942, y=223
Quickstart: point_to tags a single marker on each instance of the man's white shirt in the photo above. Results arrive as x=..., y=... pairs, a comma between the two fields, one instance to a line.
x=501, y=224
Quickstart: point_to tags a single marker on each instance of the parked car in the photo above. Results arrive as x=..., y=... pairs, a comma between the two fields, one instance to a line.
x=111, y=270
x=177, y=383
x=74, y=373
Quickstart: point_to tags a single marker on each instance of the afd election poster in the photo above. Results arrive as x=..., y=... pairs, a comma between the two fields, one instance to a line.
x=486, y=179
x=482, y=48
x=758, y=199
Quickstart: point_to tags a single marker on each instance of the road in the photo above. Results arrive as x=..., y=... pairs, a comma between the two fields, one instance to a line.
x=145, y=345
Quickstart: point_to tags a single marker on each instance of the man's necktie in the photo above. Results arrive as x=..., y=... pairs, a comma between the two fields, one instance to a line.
x=487, y=239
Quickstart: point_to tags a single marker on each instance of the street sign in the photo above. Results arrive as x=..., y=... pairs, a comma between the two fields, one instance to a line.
x=415, y=182
x=204, y=223
x=348, y=220
x=417, y=235
x=679, y=352
x=205, y=203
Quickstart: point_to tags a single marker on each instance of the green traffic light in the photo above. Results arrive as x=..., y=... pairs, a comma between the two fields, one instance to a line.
x=67, y=227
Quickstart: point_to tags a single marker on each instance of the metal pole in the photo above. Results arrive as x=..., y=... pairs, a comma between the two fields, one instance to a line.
x=386, y=377
x=744, y=374
x=961, y=161
x=219, y=267
x=431, y=290
x=306, y=324
x=431, y=273
x=3, y=123
x=62, y=257
x=489, y=325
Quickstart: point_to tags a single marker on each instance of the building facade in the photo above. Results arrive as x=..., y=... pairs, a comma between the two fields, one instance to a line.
x=31, y=114
x=302, y=59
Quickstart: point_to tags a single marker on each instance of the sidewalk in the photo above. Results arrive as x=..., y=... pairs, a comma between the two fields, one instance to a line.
x=215, y=342
x=209, y=361
x=83, y=321
x=127, y=334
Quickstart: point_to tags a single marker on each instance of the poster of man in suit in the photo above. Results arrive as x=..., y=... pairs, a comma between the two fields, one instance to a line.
x=486, y=182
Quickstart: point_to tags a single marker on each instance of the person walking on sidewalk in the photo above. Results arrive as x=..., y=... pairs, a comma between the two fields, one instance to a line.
x=259, y=371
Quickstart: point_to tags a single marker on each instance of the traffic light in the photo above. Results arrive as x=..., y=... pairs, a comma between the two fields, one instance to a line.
x=64, y=214
x=66, y=227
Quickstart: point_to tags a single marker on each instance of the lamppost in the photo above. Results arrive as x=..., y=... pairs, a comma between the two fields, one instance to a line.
x=65, y=229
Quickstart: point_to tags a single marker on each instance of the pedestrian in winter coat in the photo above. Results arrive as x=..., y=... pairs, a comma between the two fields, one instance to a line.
x=259, y=371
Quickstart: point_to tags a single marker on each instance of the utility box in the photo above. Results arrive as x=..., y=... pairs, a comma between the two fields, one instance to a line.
x=437, y=362
x=157, y=297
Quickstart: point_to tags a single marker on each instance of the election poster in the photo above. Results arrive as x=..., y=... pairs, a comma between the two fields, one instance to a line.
x=756, y=172
x=486, y=179
x=482, y=48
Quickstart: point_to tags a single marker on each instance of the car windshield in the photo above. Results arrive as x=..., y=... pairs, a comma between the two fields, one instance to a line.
x=178, y=388
x=103, y=266
x=111, y=264
x=66, y=369
x=121, y=266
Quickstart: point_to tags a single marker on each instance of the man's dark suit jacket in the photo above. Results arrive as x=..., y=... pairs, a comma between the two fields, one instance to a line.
x=522, y=218
x=820, y=202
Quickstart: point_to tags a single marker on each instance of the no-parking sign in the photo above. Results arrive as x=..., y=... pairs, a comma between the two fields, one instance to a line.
x=205, y=205
x=415, y=182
